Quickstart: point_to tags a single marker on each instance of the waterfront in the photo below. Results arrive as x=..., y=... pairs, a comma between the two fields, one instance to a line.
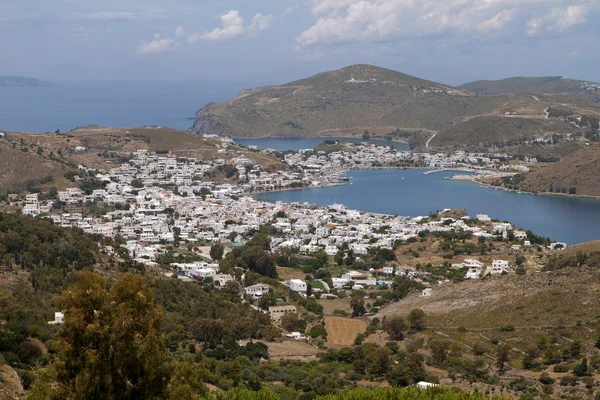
x=571, y=220
x=295, y=144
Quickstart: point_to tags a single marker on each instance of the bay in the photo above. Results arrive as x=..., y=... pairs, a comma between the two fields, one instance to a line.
x=566, y=219
x=295, y=144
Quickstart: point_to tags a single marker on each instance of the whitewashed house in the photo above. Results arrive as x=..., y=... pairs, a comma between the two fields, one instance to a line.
x=298, y=285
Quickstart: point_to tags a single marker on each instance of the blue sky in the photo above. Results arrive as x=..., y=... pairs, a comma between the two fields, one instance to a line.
x=274, y=41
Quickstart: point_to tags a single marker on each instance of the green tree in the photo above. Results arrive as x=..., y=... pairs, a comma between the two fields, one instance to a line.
x=395, y=327
x=439, y=350
x=520, y=270
x=502, y=357
x=358, y=306
x=216, y=251
x=111, y=342
x=581, y=369
x=339, y=258
x=137, y=183
x=416, y=319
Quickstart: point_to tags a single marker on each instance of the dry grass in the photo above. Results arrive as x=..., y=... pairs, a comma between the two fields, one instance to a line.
x=580, y=170
x=558, y=298
x=342, y=332
x=292, y=350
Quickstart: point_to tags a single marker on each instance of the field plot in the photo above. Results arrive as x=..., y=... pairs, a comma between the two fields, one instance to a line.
x=292, y=350
x=342, y=331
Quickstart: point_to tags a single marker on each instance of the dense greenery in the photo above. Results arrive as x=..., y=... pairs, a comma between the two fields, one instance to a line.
x=253, y=256
x=436, y=393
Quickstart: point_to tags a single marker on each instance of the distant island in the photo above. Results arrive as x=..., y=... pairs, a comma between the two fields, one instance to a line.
x=22, y=81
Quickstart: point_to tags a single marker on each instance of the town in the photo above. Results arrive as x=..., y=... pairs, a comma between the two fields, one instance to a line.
x=158, y=203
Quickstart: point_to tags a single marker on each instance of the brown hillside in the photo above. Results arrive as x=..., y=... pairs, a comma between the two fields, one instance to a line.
x=580, y=170
x=20, y=165
x=540, y=299
x=25, y=157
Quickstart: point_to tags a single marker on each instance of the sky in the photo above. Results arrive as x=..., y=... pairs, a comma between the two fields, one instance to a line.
x=276, y=41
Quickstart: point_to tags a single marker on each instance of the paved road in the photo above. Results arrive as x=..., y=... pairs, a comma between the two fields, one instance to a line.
x=325, y=285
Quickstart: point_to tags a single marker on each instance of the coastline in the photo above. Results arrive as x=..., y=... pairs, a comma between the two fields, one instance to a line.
x=472, y=178
x=487, y=185
x=325, y=137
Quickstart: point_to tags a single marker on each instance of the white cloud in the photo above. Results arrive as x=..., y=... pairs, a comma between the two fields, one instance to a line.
x=342, y=21
x=561, y=19
x=260, y=22
x=180, y=31
x=157, y=46
x=232, y=26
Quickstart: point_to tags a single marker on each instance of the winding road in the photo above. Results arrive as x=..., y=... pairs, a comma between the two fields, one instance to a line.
x=430, y=139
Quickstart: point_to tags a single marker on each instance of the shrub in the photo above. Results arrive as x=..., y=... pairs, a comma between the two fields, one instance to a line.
x=568, y=381
x=564, y=367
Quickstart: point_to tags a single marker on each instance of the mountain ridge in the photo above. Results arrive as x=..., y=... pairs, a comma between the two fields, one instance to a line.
x=535, y=85
x=24, y=81
x=391, y=104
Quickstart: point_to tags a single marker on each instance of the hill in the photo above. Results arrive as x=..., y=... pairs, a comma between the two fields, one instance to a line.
x=22, y=166
x=550, y=84
x=39, y=159
x=22, y=81
x=580, y=170
x=389, y=104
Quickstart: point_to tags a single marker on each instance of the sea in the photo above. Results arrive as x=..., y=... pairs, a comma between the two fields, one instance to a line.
x=119, y=104
x=400, y=192
x=412, y=193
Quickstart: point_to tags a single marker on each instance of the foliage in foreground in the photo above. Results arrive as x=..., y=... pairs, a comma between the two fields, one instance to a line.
x=437, y=393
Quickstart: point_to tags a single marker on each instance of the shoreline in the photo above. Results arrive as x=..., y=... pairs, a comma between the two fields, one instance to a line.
x=549, y=194
x=341, y=136
x=471, y=178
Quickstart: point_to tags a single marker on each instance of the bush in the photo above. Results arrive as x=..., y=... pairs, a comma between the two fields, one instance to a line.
x=564, y=367
x=568, y=380
x=546, y=380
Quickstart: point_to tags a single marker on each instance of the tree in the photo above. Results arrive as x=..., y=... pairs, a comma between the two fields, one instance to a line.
x=309, y=290
x=502, y=357
x=216, y=251
x=572, y=190
x=137, y=183
x=291, y=322
x=111, y=341
x=520, y=270
x=395, y=327
x=339, y=258
x=439, y=350
x=416, y=319
x=581, y=369
x=358, y=306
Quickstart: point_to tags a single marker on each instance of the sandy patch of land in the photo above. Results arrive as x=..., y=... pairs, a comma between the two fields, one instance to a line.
x=342, y=331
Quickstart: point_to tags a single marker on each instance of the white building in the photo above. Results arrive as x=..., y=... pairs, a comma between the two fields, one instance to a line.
x=257, y=291
x=59, y=318
x=298, y=285
x=499, y=266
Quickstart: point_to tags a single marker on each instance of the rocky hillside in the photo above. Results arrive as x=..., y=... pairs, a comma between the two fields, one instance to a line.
x=36, y=160
x=580, y=170
x=23, y=165
x=550, y=84
x=389, y=104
